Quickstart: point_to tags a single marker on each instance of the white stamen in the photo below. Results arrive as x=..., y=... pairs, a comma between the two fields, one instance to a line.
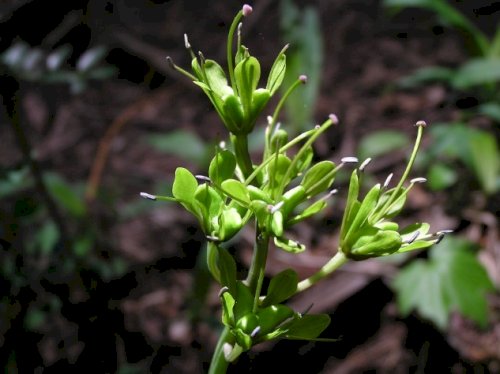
x=333, y=118
x=349, y=160
x=148, y=196
x=365, y=162
x=418, y=180
x=203, y=178
x=255, y=332
x=186, y=42
x=387, y=180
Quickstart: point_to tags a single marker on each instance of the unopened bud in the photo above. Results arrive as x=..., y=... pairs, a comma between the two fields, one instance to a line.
x=333, y=118
x=247, y=10
x=303, y=78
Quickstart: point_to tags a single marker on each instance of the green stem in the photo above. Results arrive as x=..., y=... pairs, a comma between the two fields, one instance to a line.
x=258, y=265
x=219, y=365
x=335, y=262
x=413, y=156
x=240, y=143
x=229, y=48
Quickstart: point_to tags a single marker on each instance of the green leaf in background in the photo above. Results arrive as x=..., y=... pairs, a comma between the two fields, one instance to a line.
x=479, y=71
x=451, y=280
x=491, y=109
x=441, y=176
x=485, y=159
x=66, y=195
x=381, y=142
x=180, y=143
x=427, y=74
x=301, y=28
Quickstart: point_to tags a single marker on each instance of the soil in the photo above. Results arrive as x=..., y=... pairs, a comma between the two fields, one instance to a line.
x=142, y=318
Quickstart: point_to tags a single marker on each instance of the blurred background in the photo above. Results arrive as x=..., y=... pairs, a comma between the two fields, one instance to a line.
x=94, y=278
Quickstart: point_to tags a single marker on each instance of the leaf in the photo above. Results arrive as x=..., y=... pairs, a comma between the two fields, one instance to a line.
x=271, y=316
x=210, y=199
x=277, y=74
x=289, y=245
x=452, y=279
x=227, y=268
x=277, y=169
x=485, y=159
x=282, y=286
x=181, y=143
x=230, y=223
x=233, y=112
x=310, y=211
x=244, y=301
x=222, y=166
x=308, y=327
x=490, y=109
x=441, y=176
x=352, y=198
x=216, y=79
x=476, y=72
x=302, y=29
x=381, y=142
x=426, y=75
x=66, y=195
x=90, y=58
x=236, y=190
x=247, y=75
x=184, y=186
x=315, y=181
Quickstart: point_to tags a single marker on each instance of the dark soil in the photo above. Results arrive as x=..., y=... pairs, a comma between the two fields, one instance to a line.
x=144, y=319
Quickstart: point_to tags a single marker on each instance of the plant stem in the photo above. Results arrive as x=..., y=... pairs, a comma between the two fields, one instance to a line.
x=240, y=143
x=258, y=265
x=335, y=262
x=219, y=365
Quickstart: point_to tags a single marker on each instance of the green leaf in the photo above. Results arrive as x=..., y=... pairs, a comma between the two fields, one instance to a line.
x=216, y=79
x=271, y=316
x=282, y=286
x=66, y=195
x=237, y=190
x=476, y=72
x=227, y=301
x=181, y=143
x=222, y=166
x=310, y=211
x=366, y=207
x=46, y=238
x=426, y=75
x=277, y=74
x=491, y=109
x=381, y=142
x=277, y=223
x=227, y=267
x=441, y=176
x=485, y=159
x=184, y=186
x=289, y=245
x=308, y=327
x=229, y=224
x=244, y=301
x=277, y=169
x=315, y=181
x=247, y=75
x=302, y=29
x=352, y=198
x=233, y=113
x=451, y=280
x=209, y=199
